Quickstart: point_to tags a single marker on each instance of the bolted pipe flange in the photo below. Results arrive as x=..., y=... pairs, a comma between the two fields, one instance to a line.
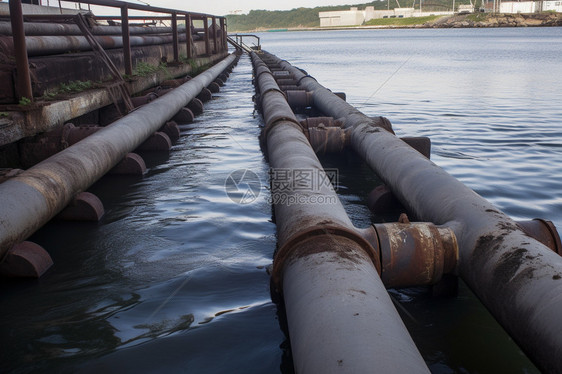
x=292, y=87
x=415, y=254
x=298, y=99
x=422, y=144
x=287, y=251
x=544, y=231
x=327, y=139
x=281, y=74
x=286, y=82
x=341, y=95
x=311, y=122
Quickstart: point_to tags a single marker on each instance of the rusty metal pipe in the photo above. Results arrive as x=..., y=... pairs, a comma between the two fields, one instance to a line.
x=339, y=314
x=61, y=29
x=46, y=45
x=32, y=198
x=518, y=278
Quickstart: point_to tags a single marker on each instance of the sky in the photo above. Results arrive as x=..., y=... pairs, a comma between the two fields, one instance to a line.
x=224, y=7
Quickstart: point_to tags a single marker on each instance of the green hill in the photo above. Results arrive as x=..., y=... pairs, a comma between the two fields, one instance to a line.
x=308, y=17
x=299, y=17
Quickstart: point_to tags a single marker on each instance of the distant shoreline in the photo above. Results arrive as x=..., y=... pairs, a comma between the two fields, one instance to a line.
x=477, y=20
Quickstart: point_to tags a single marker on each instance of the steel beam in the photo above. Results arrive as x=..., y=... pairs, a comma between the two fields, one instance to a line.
x=20, y=51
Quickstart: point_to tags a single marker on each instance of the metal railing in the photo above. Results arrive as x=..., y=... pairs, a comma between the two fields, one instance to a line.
x=238, y=40
x=214, y=40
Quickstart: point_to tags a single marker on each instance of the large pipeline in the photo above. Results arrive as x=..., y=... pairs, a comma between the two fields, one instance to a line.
x=339, y=314
x=49, y=45
x=516, y=277
x=44, y=29
x=31, y=199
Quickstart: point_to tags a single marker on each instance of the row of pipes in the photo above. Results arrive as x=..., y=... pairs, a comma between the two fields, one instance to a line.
x=332, y=276
x=33, y=197
x=48, y=38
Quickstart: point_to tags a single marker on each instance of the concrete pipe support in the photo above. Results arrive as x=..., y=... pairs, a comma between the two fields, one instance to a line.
x=33, y=197
x=518, y=278
x=340, y=316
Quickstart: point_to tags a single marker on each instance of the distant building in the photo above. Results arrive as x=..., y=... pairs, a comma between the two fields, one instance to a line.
x=555, y=6
x=465, y=8
x=351, y=17
x=530, y=6
x=356, y=17
x=519, y=6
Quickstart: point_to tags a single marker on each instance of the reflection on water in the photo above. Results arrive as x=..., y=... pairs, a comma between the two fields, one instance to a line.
x=173, y=260
x=174, y=276
x=487, y=99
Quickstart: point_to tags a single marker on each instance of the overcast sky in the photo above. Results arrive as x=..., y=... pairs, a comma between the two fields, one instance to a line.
x=223, y=7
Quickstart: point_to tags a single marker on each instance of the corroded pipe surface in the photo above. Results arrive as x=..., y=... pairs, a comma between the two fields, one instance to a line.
x=32, y=198
x=340, y=316
x=47, y=45
x=42, y=29
x=516, y=277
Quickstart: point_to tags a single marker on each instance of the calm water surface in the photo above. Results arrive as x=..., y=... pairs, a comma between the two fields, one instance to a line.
x=173, y=279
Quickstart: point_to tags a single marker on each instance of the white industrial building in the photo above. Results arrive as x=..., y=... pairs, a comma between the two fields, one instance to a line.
x=530, y=6
x=356, y=17
x=350, y=17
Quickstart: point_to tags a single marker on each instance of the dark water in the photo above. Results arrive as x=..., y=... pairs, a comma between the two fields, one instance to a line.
x=173, y=279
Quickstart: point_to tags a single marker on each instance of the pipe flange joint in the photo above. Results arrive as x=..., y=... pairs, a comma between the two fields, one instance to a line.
x=305, y=76
x=269, y=126
x=283, y=254
x=274, y=89
x=261, y=69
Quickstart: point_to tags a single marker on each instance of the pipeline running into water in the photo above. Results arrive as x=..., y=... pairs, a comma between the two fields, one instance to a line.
x=339, y=314
x=517, y=277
